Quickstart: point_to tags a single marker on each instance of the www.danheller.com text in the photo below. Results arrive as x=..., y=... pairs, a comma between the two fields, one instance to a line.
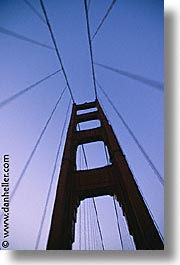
x=5, y=207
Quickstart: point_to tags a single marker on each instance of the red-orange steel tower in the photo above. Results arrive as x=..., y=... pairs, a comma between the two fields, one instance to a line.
x=115, y=179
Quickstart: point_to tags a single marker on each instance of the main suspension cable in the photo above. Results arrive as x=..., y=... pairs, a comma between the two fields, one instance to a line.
x=56, y=48
x=90, y=47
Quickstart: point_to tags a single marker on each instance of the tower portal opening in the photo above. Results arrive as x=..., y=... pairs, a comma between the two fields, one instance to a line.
x=97, y=156
x=87, y=230
x=84, y=111
x=88, y=125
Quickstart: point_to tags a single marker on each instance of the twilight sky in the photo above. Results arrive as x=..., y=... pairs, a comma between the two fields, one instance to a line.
x=131, y=39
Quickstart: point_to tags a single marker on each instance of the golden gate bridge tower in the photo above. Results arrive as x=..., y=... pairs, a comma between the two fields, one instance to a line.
x=115, y=180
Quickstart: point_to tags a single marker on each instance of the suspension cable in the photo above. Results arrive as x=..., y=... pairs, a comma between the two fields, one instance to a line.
x=90, y=47
x=23, y=91
x=106, y=154
x=35, y=11
x=98, y=223
x=93, y=227
x=103, y=19
x=24, y=38
x=36, y=145
x=56, y=48
x=150, y=82
x=151, y=164
x=52, y=179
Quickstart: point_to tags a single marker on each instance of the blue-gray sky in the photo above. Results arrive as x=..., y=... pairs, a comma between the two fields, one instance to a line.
x=131, y=39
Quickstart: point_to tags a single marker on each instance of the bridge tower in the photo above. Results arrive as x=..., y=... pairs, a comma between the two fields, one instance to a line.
x=114, y=180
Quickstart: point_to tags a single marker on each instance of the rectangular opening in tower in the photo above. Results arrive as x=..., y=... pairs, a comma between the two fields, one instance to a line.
x=84, y=111
x=88, y=125
x=97, y=156
x=96, y=217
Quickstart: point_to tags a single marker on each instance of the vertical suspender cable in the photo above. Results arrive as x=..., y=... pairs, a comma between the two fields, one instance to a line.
x=99, y=228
